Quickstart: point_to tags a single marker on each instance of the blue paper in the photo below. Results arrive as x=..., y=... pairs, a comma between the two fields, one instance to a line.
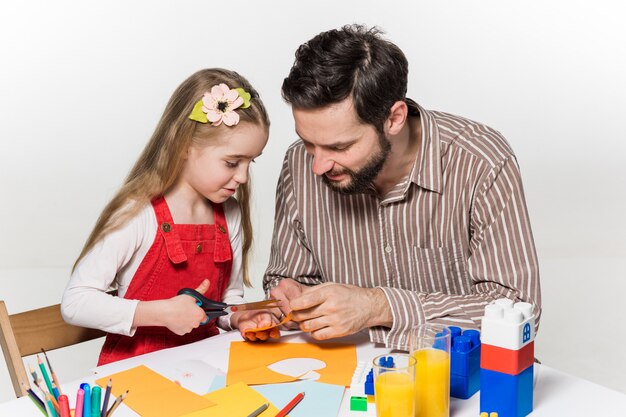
x=319, y=399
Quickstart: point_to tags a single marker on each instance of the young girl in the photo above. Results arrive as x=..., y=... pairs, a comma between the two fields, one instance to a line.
x=175, y=224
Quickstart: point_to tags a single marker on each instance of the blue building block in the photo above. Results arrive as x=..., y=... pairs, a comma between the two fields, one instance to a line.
x=465, y=353
x=464, y=363
x=369, y=383
x=464, y=387
x=508, y=395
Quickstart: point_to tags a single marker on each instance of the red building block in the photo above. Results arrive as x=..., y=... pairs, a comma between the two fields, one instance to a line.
x=507, y=361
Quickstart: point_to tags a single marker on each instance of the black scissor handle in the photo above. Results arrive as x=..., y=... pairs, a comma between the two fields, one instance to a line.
x=212, y=308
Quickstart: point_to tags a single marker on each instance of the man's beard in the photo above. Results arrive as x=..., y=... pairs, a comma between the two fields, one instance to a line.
x=361, y=180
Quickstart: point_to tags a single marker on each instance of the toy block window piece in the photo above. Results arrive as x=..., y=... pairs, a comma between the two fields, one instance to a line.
x=508, y=325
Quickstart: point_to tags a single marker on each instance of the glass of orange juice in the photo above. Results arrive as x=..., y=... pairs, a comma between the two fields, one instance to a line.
x=394, y=385
x=430, y=346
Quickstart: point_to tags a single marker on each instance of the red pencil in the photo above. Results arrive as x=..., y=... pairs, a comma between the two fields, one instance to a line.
x=291, y=405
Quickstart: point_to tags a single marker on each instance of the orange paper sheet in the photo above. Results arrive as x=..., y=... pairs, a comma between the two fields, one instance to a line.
x=248, y=362
x=237, y=400
x=260, y=329
x=152, y=395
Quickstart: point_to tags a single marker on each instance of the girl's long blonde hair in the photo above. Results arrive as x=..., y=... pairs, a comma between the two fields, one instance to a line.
x=161, y=161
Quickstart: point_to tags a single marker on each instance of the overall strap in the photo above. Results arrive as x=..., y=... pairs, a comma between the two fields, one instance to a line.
x=166, y=229
x=223, y=251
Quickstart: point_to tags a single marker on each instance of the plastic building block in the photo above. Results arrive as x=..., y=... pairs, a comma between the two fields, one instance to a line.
x=357, y=385
x=508, y=325
x=464, y=363
x=465, y=354
x=369, y=383
x=507, y=395
x=507, y=361
x=358, y=403
x=464, y=387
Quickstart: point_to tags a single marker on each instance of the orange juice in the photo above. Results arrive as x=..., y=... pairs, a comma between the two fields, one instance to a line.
x=394, y=394
x=432, y=383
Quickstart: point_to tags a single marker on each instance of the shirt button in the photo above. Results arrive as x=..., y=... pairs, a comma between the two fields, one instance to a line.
x=388, y=249
x=199, y=248
x=166, y=227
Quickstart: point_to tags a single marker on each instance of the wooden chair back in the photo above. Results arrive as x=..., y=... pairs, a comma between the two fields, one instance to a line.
x=27, y=333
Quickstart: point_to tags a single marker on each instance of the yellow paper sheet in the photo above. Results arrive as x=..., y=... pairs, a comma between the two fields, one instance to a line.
x=237, y=400
x=152, y=395
x=248, y=362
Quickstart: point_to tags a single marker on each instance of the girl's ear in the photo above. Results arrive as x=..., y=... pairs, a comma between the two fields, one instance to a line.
x=397, y=118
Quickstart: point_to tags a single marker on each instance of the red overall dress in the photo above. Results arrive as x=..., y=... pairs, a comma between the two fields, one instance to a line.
x=182, y=255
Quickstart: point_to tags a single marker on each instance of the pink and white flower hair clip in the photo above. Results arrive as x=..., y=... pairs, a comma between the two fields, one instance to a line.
x=218, y=106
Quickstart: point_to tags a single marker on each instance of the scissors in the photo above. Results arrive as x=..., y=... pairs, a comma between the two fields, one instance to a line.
x=215, y=309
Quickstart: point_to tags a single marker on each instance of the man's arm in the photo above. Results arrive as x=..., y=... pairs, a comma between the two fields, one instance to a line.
x=290, y=256
x=502, y=262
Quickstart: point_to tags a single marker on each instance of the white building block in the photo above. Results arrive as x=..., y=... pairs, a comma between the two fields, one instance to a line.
x=508, y=325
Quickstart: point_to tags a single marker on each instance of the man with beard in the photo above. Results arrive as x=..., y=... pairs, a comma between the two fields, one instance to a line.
x=389, y=215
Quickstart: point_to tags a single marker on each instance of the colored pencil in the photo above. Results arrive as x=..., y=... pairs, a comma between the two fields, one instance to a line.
x=54, y=375
x=35, y=398
x=107, y=394
x=116, y=404
x=54, y=404
x=259, y=410
x=45, y=375
x=290, y=406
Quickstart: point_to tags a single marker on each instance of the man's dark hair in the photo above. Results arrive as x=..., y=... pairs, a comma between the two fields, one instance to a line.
x=352, y=61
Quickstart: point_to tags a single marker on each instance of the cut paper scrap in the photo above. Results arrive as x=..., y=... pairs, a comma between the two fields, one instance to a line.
x=152, y=395
x=300, y=368
x=260, y=329
x=319, y=399
x=237, y=400
x=248, y=362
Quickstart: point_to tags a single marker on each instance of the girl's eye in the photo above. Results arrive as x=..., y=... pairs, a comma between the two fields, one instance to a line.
x=232, y=164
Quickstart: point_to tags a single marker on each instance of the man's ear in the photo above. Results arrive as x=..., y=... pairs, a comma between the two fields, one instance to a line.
x=397, y=118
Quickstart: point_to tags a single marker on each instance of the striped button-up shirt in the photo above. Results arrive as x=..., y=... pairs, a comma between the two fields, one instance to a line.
x=449, y=238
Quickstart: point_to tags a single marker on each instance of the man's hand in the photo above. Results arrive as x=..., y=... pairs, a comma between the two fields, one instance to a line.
x=253, y=320
x=332, y=310
x=286, y=290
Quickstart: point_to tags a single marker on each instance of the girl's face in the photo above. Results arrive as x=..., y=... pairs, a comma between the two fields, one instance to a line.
x=215, y=171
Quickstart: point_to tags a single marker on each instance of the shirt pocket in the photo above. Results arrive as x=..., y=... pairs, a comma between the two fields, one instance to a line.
x=442, y=269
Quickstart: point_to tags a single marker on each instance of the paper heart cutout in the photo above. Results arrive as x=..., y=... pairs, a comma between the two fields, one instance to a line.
x=300, y=368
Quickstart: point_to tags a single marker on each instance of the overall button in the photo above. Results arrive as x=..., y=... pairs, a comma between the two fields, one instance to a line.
x=199, y=248
x=221, y=228
x=166, y=227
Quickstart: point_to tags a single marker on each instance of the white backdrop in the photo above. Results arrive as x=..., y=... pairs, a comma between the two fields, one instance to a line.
x=82, y=85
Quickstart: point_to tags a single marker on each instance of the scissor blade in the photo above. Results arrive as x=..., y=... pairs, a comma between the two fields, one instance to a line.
x=259, y=305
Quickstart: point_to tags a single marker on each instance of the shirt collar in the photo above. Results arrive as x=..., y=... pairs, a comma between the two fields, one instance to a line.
x=426, y=171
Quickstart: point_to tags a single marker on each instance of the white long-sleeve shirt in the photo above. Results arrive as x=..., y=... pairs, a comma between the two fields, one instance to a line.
x=116, y=258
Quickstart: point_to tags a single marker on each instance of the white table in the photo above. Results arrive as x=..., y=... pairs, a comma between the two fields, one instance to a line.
x=556, y=394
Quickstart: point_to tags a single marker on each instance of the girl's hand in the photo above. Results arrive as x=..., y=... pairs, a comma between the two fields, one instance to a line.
x=254, y=319
x=181, y=313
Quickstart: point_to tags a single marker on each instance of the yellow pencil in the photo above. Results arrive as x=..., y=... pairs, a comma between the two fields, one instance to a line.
x=116, y=404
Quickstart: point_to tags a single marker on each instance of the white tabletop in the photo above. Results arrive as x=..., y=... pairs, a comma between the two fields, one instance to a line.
x=556, y=393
